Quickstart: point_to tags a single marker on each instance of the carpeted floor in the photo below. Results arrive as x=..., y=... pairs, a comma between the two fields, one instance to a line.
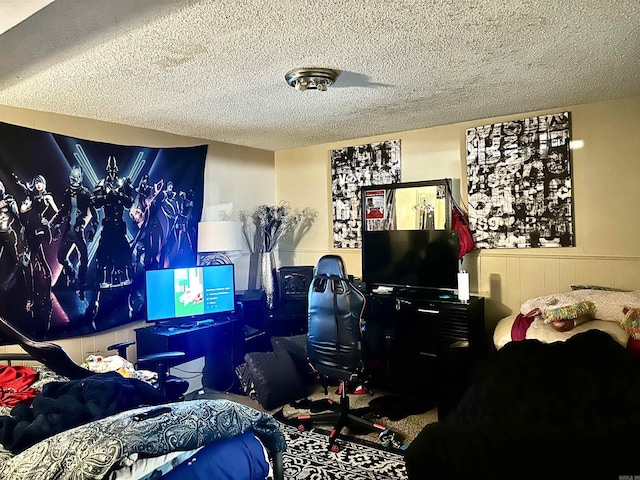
x=361, y=455
x=406, y=428
x=403, y=415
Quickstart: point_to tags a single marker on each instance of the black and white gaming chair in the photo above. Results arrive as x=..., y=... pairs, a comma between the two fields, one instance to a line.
x=334, y=340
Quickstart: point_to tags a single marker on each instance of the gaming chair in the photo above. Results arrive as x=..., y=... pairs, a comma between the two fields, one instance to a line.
x=334, y=340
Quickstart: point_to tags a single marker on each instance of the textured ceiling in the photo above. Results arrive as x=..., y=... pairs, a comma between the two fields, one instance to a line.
x=214, y=69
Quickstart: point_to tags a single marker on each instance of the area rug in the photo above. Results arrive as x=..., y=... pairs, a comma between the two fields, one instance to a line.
x=307, y=457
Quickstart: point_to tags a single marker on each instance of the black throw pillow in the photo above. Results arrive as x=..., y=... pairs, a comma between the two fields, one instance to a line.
x=271, y=378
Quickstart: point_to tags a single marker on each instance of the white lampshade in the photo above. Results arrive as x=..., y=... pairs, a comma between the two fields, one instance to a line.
x=222, y=236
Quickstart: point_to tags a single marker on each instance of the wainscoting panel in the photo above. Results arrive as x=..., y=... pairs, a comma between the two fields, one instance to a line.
x=506, y=281
x=596, y=272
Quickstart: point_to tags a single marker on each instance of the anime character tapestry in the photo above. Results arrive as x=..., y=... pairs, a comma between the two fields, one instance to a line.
x=519, y=183
x=81, y=221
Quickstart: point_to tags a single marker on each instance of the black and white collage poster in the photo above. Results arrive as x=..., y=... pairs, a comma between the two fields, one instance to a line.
x=353, y=168
x=519, y=183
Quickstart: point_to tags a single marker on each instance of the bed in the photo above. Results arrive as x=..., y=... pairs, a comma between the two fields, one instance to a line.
x=186, y=440
x=546, y=404
x=607, y=315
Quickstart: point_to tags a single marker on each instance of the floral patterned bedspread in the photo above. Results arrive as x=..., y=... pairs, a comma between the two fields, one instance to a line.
x=91, y=451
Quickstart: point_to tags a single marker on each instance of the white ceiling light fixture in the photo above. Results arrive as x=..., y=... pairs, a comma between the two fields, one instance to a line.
x=312, y=78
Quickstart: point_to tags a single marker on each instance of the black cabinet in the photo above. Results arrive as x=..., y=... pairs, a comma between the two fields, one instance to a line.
x=290, y=315
x=288, y=318
x=424, y=343
x=251, y=307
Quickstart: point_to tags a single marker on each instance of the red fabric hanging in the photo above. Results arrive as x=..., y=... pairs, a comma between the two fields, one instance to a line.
x=15, y=385
x=460, y=223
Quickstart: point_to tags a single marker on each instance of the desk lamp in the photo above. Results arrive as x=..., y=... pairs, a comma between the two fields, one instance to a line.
x=215, y=239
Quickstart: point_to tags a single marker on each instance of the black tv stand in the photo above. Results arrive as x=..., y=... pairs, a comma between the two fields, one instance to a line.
x=420, y=337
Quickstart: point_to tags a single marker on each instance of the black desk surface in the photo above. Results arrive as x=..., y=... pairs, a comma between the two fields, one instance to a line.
x=195, y=338
x=185, y=325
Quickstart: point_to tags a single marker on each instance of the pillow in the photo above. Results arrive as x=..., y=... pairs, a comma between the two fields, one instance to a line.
x=547, y=334
x=631, y=322
x=581, y=310
x=568, y=324
x=271, y=379
x=296, y=347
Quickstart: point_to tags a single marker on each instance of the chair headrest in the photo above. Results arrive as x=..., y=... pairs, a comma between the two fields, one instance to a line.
x=331, y=265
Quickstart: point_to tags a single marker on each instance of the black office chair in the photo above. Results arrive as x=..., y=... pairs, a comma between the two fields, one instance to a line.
x=334, y=342
x=173, y=387
x=57, y=359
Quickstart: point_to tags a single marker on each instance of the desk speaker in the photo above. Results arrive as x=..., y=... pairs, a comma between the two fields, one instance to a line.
x=294, y=282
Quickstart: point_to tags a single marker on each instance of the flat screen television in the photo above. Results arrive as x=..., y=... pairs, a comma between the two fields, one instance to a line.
x=412, y=259
x=195, y=293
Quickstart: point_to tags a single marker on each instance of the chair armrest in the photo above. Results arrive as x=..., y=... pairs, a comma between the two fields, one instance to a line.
x=161, y=357
x=159, y=360
x=121, y=348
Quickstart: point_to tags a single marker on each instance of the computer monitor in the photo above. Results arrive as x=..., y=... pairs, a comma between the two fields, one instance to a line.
x=193, y=293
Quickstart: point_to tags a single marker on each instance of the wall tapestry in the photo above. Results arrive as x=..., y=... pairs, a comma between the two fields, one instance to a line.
x=519, y=183
x=80, y=222
x=352, y=168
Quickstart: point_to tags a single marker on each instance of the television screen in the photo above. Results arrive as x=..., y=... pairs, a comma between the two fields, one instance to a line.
x=411, y=258
x=176, y=293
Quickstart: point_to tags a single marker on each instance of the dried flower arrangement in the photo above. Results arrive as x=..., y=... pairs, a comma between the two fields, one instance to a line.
x=268, y=224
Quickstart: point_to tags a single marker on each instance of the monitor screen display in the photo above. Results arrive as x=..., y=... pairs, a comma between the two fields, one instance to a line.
x=176, y=293
x=411, y=258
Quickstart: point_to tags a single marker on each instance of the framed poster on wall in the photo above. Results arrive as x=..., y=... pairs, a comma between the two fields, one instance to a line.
x=352, y=168
x=519, y=183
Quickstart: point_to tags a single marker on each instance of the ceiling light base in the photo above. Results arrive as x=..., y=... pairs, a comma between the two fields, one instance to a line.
x=312, y=78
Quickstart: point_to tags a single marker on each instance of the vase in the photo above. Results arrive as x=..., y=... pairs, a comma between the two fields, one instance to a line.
x=268, y=276
x=255, y=271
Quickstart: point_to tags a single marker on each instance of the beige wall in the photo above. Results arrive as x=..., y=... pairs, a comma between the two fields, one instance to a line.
x=233, y=174
x=606, y=170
